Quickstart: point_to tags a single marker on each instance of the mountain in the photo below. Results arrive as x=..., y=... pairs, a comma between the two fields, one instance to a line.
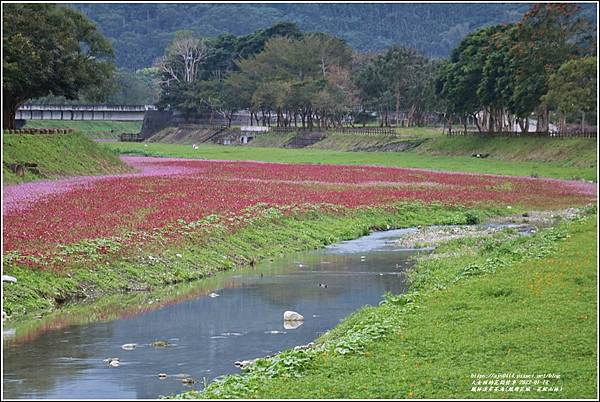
x=140, y=32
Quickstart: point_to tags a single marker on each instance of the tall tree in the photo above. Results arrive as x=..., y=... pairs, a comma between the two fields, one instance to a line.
x=183, y=59
x=547, y=36
x=49, y=49
x=573, y=89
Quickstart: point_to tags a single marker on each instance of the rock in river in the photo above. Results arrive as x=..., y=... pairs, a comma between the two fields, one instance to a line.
x=292, y=316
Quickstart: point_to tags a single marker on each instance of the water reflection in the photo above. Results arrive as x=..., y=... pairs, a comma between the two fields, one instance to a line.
x=206, y=334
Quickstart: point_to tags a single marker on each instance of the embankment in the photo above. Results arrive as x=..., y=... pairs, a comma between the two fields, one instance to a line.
x=563, y=152
x=568, y=152
x=104, y=129
x=48, y=156
x=190, y=251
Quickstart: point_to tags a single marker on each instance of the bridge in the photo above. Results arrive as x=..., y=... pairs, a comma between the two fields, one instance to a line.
x=83, y=112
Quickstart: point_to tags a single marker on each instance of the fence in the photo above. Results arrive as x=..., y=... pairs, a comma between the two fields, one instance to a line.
x=579, y=134
x=363, y=130
x=339, y=130
x=40, y=131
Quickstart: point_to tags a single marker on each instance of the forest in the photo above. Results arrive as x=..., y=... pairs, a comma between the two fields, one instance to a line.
x=140, y=32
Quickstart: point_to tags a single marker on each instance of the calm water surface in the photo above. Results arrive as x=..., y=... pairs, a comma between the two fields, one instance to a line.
x=207, y=334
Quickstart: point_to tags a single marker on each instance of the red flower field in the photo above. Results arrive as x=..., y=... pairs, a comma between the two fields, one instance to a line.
x=38, y=216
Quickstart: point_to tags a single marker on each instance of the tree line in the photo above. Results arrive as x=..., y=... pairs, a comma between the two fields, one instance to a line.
x=499, y=77
x=503, y=76
x=289, y=78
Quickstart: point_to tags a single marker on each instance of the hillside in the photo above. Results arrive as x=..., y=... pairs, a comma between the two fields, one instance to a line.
x=57, y=155
x=140, y=32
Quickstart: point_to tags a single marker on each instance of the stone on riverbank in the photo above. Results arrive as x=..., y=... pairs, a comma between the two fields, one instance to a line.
x=8, y=278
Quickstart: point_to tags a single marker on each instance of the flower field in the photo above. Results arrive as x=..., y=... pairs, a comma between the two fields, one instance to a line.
x=40, y=216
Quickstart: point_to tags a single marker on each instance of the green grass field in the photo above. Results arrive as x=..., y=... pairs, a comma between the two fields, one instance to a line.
x=502, y=305
x=57, y=155
x=93, y=129
x=398, y=159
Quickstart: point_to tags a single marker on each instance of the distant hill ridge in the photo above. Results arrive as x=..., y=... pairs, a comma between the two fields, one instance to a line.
x=140, y=32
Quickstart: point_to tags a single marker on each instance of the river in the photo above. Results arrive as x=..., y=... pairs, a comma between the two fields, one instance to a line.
x=240, y=317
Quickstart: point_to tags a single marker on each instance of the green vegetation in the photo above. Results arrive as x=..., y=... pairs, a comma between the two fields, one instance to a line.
x=575, y=152
x=126, y=265
x=505, y=304
x=49, y=49
x=57, y=155
x=140, y=32
x=573, y=89
x=93, y=129
x=398, y=159
x=503, y=73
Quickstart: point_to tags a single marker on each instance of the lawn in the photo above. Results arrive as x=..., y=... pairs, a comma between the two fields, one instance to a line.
x=396, y=159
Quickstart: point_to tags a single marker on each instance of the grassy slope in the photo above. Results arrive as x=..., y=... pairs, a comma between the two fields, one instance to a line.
x=576, y=152
x=57, y=155
x=343, y=142
x=94, y=129
x=85, y=272
x=272, y=140
x=399, y=159
x=524, y=306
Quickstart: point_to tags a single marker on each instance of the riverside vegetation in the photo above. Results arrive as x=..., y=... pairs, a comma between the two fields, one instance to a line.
x=539, y=288
x=101, y=266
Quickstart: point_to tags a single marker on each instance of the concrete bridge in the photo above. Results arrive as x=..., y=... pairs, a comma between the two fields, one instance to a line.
x=83, y=112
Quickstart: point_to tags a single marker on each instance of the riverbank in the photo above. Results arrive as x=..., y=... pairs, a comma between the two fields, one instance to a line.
x=94, y=129
x=56, y=156
x=481, y=316
x=178, y=220
x=577, y=160
x=190, y=251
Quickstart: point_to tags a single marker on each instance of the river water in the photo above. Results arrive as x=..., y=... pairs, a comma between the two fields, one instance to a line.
x=206, y=333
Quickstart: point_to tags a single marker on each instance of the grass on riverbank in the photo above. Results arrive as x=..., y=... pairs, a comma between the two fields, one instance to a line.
x=57, y=155
x=567, y=152
x=396, y=159
x=201, y=249
x=502, y=305
x=93, y=129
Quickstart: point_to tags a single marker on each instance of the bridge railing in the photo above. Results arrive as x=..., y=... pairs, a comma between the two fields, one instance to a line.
x=116, y=108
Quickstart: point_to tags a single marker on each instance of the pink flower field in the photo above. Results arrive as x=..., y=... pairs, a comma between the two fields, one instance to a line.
x=38, y=216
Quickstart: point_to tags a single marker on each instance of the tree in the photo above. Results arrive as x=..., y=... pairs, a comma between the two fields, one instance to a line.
x=573, y=89
x=49, y=49
x=201, y=76
x=401, y=67
x=290, y=75
x=547, y=36
x=389, y=81
x=182, y=60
